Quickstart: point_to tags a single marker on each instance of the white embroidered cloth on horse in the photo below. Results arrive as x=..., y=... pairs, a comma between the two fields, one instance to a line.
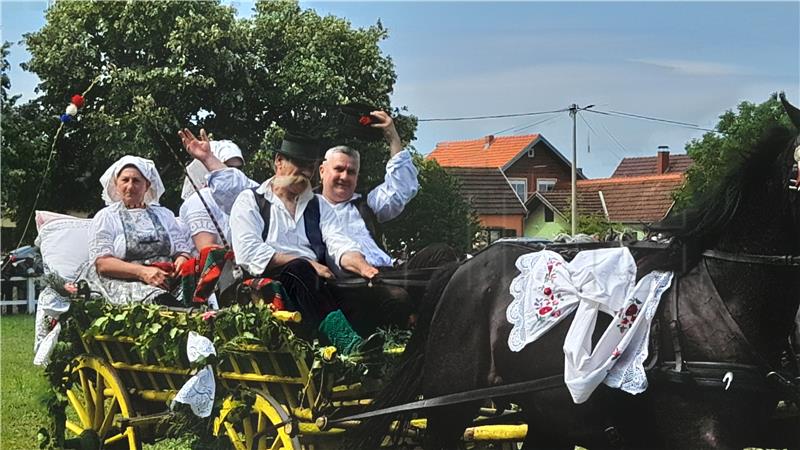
x=548, y=289
x=199, y=390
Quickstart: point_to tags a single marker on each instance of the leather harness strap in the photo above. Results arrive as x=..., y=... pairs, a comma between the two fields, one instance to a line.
x=749, y=258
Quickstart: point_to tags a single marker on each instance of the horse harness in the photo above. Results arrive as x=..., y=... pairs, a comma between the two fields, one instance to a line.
x=699, y=373
x=715, y=374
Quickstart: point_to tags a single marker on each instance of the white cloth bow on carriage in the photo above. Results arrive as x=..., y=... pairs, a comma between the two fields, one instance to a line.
x=548, y=289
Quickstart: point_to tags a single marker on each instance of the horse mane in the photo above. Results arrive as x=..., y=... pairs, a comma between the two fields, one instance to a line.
x=703, y=222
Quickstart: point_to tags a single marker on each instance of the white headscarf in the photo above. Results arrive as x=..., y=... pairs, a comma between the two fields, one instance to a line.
x=148, y=170
x=224, y=150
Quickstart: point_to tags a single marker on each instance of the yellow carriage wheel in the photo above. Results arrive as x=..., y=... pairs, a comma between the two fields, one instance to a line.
x=95, y=400
x=262, y=429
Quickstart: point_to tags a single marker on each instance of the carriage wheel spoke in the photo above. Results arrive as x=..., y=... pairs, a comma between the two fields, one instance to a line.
x=248, y=432
x=83, y=415
x=99, y=401
x=74, y=427
x=278, y=443
x=261, y=423
x=234, y=436
x=109, y=418
x=116, y=438
x=88, y=395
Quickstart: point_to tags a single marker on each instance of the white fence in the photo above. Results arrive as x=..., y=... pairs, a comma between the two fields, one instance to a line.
x=23, y=293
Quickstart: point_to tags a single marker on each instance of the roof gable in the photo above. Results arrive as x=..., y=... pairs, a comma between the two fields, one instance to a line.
x=488, y=191
x=644, y=199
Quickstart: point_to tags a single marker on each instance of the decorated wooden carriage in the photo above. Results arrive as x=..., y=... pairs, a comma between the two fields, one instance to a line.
x=118, y=370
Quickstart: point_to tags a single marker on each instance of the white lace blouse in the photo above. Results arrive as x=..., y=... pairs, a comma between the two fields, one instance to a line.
x=107, y=236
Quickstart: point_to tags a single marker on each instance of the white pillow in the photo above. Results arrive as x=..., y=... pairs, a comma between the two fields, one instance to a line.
x=63, y=241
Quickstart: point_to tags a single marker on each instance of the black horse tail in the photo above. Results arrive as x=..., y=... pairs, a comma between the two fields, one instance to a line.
x=404, y=385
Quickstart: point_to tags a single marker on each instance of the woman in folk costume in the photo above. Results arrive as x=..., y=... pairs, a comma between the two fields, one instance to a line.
x=193, y=212
x=135, y=245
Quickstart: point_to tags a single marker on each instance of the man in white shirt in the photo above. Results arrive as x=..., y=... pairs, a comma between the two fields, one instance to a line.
x=280, y=229
x=379, y=305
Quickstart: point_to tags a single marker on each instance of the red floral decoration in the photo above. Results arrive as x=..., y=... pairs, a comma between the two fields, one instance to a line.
x=364, y=120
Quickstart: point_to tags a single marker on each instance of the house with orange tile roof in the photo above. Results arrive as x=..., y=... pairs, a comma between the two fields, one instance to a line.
x=662, y=163
x=499, y=174
x=632, y=200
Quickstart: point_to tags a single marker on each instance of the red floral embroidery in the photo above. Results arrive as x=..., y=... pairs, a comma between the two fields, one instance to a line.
x=544, y=310
x=548, y=291
x=364, y=120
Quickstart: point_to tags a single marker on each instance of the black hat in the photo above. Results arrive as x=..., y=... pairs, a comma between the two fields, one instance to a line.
x=300, y=147
x=354, y=120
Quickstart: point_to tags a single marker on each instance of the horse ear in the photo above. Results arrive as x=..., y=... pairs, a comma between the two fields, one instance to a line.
x=791, y=110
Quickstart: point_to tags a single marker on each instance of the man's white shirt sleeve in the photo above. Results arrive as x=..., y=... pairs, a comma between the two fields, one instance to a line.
x=400, y=185
x=226, y=184
x=246, y=227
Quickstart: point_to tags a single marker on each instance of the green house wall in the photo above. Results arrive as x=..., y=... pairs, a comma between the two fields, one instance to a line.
x=535, y=226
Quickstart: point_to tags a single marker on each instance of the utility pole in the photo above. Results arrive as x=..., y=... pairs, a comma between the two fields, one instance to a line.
x=573, y=112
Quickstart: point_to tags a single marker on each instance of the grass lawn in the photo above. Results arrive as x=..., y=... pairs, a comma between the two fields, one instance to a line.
x=22, y=385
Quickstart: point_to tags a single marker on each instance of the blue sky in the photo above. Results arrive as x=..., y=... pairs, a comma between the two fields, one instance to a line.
x=683, y=61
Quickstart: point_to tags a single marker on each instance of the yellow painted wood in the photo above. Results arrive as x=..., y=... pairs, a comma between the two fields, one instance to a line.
x=152, y=395
x=260, y=378
x=148, y=368
x=496, y=433
x=310, y=429
x=288, y=316
x=98, y=397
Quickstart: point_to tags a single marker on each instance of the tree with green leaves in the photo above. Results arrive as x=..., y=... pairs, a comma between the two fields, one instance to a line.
x=736, y=132
x=161, y=66
x=437, y=214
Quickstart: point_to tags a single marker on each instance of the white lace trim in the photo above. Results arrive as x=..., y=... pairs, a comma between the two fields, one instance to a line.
x=198, y=392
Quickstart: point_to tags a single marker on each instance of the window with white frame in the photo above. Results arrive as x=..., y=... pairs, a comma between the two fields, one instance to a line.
x=520, y=186
x=545, y=184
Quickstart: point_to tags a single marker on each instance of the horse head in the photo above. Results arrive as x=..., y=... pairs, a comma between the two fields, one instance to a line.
x=794, y=116
x=753, y=207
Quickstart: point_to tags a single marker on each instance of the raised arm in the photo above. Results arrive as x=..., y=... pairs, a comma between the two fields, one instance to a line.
x=200, y=149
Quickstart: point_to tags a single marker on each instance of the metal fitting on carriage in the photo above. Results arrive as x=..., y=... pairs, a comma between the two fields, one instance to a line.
x=727, y=379
x=321, y=423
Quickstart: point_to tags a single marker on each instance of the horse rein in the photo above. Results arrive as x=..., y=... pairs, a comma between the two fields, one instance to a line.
x=752, y=258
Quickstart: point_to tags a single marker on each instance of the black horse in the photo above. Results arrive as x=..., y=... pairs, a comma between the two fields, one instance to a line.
x=728, y=316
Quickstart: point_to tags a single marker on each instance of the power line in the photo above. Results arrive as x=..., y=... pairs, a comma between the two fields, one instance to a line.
x=499, y=116
x=653, y=119
x=519, y=128
x=598, y=135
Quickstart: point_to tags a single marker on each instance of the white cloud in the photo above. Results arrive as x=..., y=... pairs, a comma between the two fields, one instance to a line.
x=695, y=68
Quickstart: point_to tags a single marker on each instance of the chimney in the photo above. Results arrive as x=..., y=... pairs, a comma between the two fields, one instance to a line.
x=487, y=141
x=662, y=159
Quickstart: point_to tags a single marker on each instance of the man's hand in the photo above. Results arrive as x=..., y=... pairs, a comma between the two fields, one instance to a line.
x=389, y=131
x=322, y=270
x=369, y=272
x=356, y=263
